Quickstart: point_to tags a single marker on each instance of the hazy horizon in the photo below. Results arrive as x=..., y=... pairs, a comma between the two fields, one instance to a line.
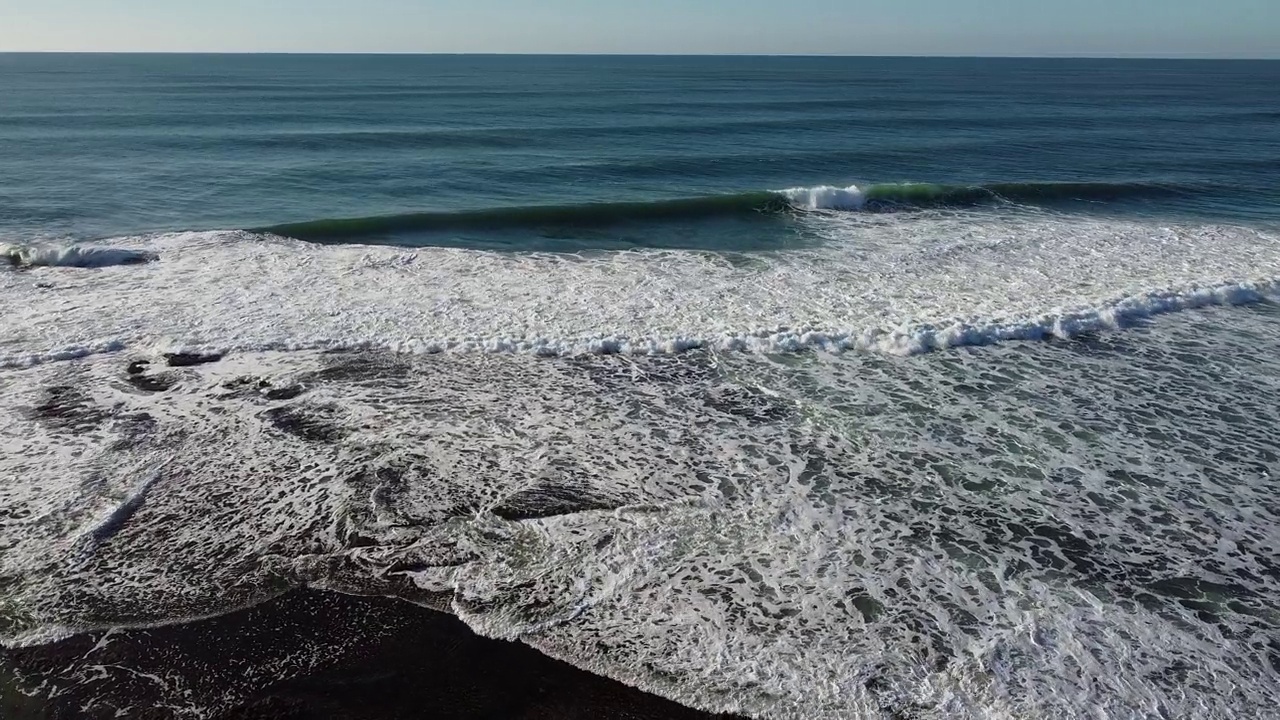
x=1230, y=29
x=358, y=53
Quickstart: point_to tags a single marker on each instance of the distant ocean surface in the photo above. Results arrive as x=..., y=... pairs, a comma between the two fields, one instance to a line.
x=789, y=387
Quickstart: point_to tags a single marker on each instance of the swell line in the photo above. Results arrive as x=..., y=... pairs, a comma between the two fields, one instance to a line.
x=878, y=197
x=587, y=215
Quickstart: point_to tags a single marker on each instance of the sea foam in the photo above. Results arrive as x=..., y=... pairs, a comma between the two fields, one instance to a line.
x=901, y=284
x=1035, y=532
x=79, y=256
x=904, y=340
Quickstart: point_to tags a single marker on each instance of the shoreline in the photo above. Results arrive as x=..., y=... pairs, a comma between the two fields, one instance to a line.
x=310, y=654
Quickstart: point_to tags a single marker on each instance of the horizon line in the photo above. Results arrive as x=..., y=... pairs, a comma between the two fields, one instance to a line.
x=941, y=56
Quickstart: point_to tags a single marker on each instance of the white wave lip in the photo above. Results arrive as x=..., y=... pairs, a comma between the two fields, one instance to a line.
x=77, y=256
x=826, y=197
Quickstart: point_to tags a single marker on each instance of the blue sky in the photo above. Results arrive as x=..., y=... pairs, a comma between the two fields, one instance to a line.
x=1220, y=28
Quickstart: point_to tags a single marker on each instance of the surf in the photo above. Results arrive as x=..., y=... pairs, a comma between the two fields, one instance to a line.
x=893, y=283
x=880, y=197
x=905, y=340
x=76, y=256
x=589, y=215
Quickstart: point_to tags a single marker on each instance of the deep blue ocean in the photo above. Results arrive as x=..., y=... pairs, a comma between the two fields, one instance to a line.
x=797, y=388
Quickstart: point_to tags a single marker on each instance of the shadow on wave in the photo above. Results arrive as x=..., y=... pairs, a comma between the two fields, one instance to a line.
x=579, y=227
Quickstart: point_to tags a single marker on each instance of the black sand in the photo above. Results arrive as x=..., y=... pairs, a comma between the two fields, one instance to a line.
x=311, y=655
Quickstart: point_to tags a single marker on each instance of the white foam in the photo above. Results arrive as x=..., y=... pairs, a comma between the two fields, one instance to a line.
x=826, y=197
x=903, y=340
x=1009, y=533
x=71, y=352
x=1029, y=531
x=898, y=284
x=78, y=256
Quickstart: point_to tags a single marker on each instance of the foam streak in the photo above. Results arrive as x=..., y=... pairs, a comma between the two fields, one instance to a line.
x=905, y=340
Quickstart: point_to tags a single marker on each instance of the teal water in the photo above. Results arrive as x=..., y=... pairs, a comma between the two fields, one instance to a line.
x=103, y=145
x=798, y=388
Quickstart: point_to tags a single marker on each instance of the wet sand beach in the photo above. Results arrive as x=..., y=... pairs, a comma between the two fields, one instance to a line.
x=311, y=655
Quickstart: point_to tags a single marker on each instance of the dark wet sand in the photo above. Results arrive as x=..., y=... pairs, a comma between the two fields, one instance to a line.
x=313, y=655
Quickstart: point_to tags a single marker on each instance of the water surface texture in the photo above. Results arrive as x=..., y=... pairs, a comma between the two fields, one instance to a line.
x=789, y=387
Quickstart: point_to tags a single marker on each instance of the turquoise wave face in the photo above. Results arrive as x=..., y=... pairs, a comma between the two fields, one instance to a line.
x=112, y=145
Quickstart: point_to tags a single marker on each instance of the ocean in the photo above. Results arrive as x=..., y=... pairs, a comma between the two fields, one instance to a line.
x=787, y=387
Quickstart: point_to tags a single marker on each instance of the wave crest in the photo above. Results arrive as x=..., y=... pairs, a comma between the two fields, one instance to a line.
x=78, y=256
x=883, y=196
x=886, y=196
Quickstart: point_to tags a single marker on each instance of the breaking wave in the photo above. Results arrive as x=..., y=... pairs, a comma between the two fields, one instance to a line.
x=904, y=340
x=877, y=197
x=80, y=256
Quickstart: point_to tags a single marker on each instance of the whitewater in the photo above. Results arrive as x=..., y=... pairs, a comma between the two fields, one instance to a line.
x=783, y=482
x=893, y=282
x=795, y=388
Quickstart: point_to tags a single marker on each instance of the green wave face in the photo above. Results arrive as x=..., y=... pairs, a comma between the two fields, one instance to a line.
x=933, y=195
x=587, y=216
x=740, y=206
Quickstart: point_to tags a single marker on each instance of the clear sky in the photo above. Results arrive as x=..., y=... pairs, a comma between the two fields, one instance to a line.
x=1216, y=28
